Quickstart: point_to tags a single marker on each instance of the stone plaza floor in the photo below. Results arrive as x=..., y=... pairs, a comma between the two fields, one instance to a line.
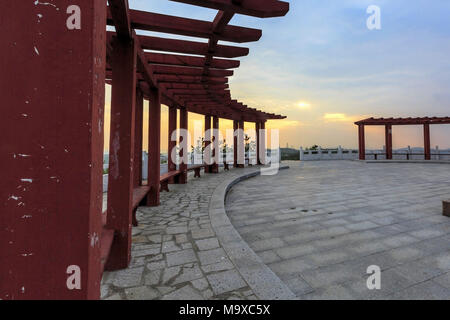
x=319, y=225
x=175, y=253
x=309, y=232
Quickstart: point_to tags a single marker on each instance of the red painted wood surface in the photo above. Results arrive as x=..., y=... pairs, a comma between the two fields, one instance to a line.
x=138, y=132
x=388, y=141
x=256, y=8
x=184, y=146
x=427, y=141
x=262, y=140
x=207, y=139
x=235, y=143
x=190, y=61
x=404, y=121
x=166, y=176
x=51, y=150
x=121, y=152
x=150, y=21
x=154, y=147
x=258, y=142
x=172, y=144
x=216, y=141
x=241, y=145
x=106, y=241
x=362, y=142
x=139, y=193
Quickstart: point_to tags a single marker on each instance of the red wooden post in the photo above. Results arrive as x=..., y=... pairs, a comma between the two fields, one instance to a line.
x=362, y=142
x=51, y=150
x=388, y=136
x=215, y=153
x=154, y=147
x=121, y=152
x=172, y=144
x=258, y=148
x=207, y=138
x=184, y=146
x=241, y=143
x=427, y=141
x=263, y=156
x=235, y=143
x=138, y=138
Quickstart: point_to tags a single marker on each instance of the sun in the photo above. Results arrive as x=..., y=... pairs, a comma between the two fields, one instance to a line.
x=303, y=105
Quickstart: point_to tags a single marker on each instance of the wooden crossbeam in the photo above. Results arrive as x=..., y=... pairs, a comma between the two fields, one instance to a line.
x=188, y=71
x=404, y=121
x=197, y=92
x=169, y=86
x=120, y=18
x=190, y=61
x=190, y=79
x=190, y=47
x=150, y=21
x=255, y=8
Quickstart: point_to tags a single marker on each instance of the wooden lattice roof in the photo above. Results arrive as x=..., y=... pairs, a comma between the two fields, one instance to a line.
x=190, y=74
x=404, y=121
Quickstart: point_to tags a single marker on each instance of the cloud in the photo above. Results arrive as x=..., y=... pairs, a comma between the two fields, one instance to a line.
x=339, y=117
x=303, y=105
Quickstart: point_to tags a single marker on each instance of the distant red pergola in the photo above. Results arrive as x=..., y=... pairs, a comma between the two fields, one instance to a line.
x=389, y=122
x=54, y=75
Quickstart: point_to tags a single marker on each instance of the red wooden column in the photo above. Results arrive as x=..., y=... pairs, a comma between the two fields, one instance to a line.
x=388, y=136
x=215, y=141
x=172, y=144
x=427, y=141
x=121, y=152
x=51, y=152
x=138, y=138
x=257, y=128
x=207, y=138
x=235, y=143
x=362, y=142
x=262, y=143
x=241, y=145
x=184, y=146
x=154, y=147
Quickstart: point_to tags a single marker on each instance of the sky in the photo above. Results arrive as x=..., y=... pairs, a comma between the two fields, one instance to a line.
x=324, y=69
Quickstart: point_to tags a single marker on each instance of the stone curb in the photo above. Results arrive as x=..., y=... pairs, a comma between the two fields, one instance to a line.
x=261, y=279
x=407, y=161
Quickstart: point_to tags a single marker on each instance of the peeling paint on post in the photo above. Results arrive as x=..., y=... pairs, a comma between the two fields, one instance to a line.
x=46, y=112
x=121, y=179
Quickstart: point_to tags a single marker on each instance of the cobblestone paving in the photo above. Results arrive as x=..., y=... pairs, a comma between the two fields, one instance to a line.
x=175, y=252
x=319, y=225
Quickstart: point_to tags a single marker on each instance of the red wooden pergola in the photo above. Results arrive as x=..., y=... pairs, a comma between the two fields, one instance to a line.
x=53, y=77
x=389, y=122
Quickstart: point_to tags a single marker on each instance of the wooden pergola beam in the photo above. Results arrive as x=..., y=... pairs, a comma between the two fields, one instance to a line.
x=189, y=61
x=404, y=121
x=156, y=22
x=255, y=8
x=188, y=71
x=119, y=17
x=170, y=86
x=190, y=79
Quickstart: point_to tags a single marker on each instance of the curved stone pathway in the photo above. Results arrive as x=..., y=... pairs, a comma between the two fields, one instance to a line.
x=319, y=225
x=176, y=253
